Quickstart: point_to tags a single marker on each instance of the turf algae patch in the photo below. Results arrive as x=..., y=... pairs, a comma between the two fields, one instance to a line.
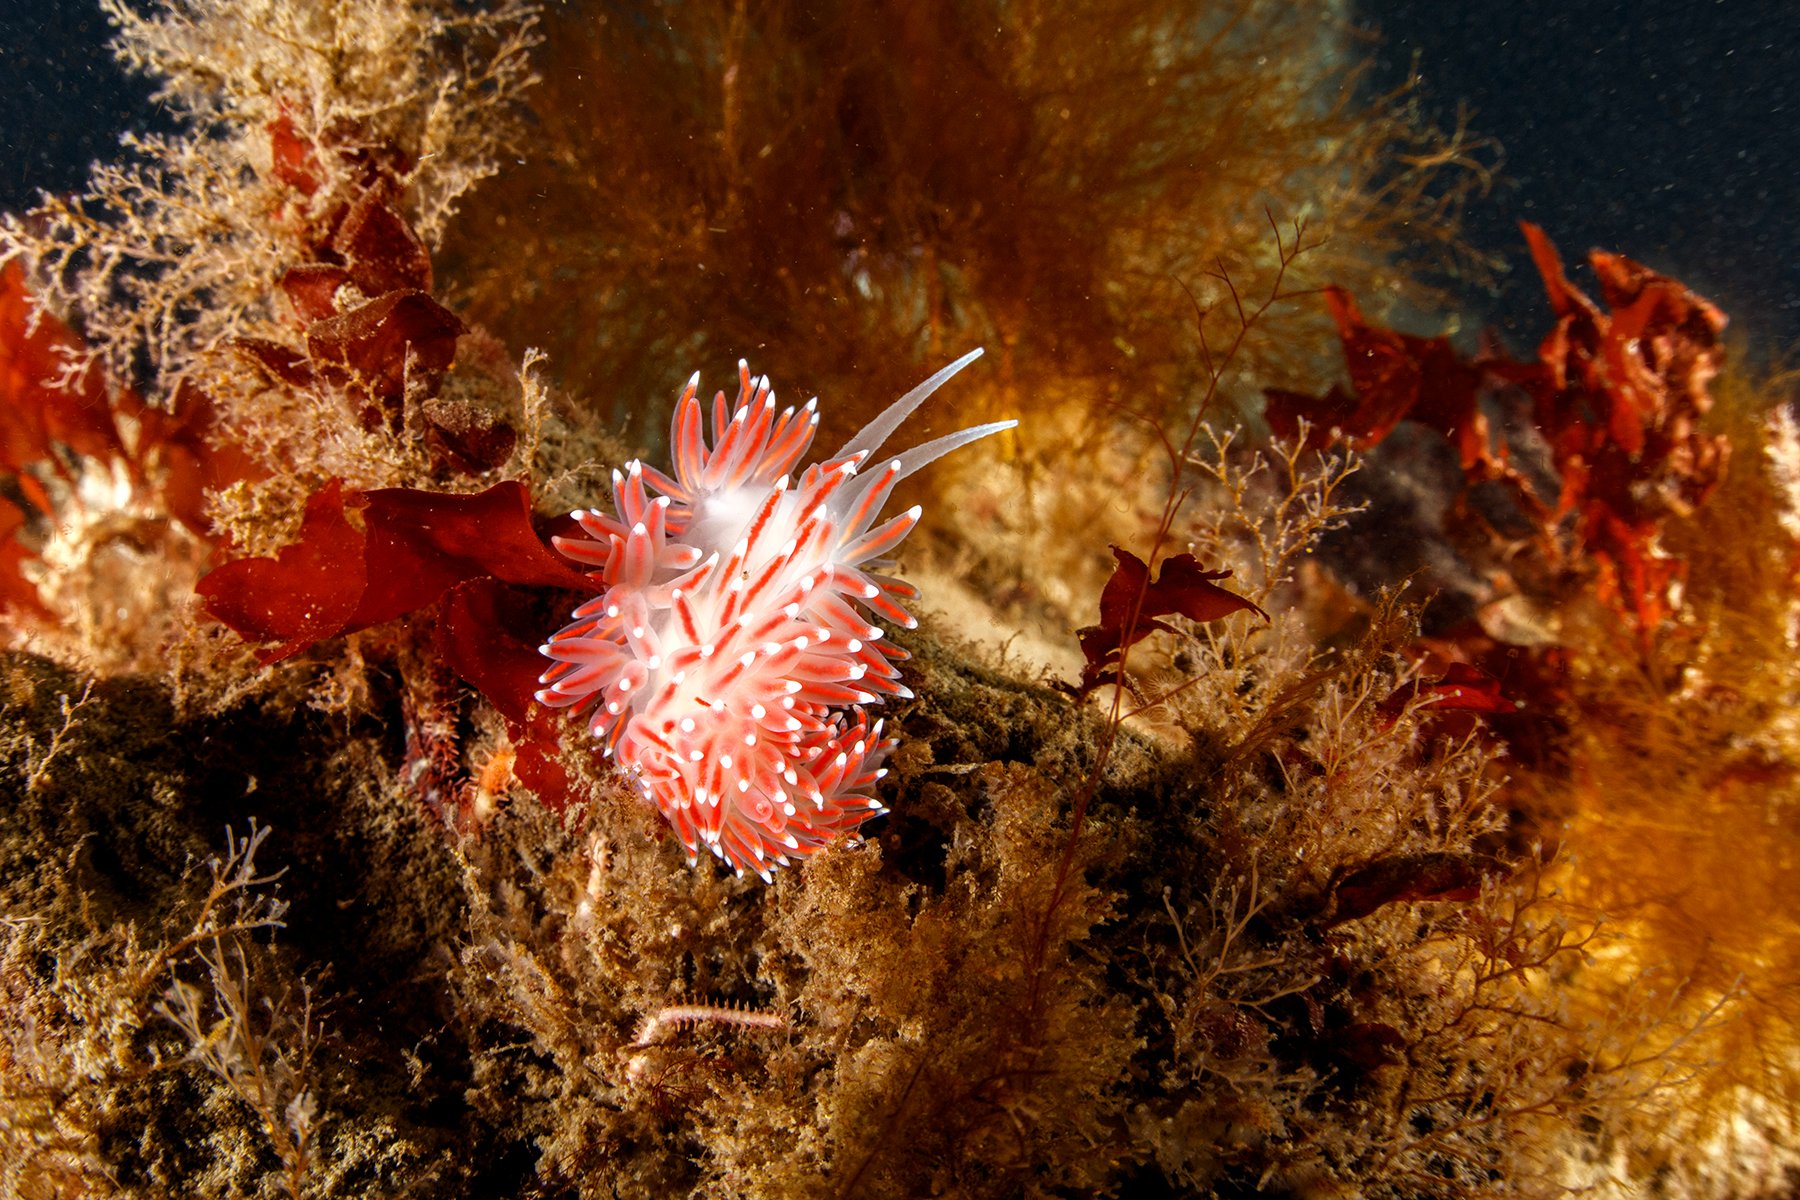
x=115, y=811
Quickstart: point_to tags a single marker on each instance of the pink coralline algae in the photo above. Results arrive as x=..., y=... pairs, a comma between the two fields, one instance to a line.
x=728, y=656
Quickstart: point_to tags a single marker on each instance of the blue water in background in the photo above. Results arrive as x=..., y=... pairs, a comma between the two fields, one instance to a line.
x=65, y=102
x=1667, y=130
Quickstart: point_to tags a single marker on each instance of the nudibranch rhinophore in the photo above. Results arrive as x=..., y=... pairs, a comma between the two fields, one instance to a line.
x=728, y=655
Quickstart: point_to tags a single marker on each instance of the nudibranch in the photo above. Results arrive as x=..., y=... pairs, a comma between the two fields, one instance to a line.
x=729, y=653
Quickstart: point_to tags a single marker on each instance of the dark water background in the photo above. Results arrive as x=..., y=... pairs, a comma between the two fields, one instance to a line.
x=1668, y=130
x=65, y=100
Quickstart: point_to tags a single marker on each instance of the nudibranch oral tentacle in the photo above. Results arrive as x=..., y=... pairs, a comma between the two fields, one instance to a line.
x=726, y=656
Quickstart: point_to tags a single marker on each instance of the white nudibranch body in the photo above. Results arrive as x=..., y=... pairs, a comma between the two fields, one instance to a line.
x=728, y=655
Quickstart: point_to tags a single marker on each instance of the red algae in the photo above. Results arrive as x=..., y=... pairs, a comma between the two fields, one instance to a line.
x=1310, y=884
